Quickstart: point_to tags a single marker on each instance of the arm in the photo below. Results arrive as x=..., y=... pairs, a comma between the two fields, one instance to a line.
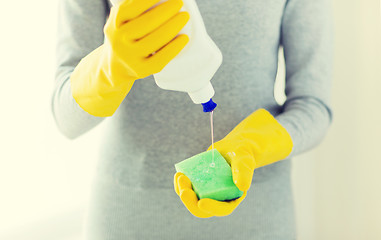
x=140, y=40
x=80, y=31
x=261, y=139
x=307, y=38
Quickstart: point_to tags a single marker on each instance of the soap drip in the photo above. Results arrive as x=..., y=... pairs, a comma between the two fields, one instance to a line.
x=212, y=134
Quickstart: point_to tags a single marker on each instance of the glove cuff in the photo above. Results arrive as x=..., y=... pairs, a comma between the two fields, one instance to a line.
x=92, y=89
x=268, y=140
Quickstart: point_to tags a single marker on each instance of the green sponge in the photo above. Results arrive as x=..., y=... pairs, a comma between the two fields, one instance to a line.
x=211, y=176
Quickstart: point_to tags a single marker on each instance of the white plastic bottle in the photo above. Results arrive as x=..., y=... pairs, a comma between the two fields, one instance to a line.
x=193, y=68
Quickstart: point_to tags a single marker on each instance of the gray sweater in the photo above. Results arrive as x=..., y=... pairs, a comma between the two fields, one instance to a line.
x=132, y=192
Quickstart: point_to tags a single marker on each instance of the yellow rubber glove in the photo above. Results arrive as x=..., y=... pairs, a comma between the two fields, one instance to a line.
x=257, y=141
x=140, y=41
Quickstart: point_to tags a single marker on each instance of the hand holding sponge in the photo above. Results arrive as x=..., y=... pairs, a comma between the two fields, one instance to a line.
x=257, y=141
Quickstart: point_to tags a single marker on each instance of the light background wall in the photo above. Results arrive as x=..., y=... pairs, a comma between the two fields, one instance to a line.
x=338, y=185
x=44, y=177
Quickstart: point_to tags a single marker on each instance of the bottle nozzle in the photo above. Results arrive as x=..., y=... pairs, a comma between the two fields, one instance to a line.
x=209, y=106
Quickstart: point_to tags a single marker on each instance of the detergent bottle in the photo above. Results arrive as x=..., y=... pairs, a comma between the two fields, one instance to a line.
x=193, y=68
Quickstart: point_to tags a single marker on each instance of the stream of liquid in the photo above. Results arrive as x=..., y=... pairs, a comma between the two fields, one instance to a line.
x=212, y=135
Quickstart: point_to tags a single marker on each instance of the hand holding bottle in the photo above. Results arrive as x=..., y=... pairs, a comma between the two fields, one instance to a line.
x=141, y=39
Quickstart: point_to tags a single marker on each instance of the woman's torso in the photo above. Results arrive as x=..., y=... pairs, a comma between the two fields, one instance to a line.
x=132, y=194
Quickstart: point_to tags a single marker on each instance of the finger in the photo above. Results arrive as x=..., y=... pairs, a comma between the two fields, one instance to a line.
x=162, y=57
x=175, y=182
x=222, y=146
x=154, y=18
x=163, y=35
x=130, y=9
x=189, y=197
x=190, y=200
x=218, y=208
x=216, y=144
x=184, y=183
x=242, y=171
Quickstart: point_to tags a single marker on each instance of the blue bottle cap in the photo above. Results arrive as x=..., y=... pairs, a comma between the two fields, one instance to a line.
x=209, y=106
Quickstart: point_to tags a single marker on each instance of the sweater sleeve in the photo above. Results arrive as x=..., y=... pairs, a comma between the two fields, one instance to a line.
x=80, y=31
x=307, y=39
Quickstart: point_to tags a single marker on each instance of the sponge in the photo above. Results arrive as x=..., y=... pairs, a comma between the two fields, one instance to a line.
x=211, y=176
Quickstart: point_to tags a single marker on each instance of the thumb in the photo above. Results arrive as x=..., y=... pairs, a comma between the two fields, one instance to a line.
x=243, y=165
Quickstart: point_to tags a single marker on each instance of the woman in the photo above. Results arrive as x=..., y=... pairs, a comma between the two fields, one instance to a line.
x=148, y=129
